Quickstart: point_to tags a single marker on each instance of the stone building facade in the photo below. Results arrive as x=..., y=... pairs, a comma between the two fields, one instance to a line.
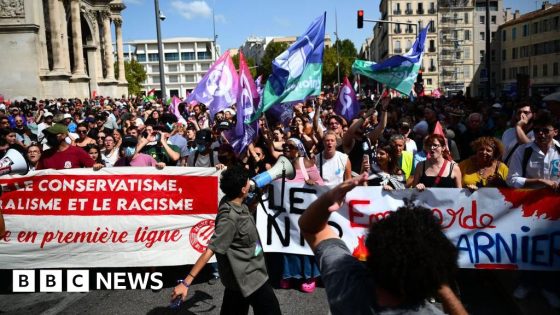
x=60, y=48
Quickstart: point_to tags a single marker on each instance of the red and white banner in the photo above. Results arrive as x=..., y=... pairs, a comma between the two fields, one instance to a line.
x=125, y=217
x=492, y=228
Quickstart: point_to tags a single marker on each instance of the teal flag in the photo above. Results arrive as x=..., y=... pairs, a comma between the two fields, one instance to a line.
x=398, y=72
x=297, y=72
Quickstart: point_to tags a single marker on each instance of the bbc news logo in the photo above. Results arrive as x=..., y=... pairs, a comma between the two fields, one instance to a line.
x=52, y=280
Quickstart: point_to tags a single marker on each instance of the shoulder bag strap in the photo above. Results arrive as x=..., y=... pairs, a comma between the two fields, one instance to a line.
x=438, y=178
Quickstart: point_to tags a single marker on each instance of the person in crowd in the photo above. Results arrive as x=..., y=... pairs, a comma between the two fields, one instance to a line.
x=178, y=138
x=437, y=170
x=236, y=244
x=536, y=164
x=404, y=129
x=118, y=135
x=475, y=130
x=100, y=139
x=4, y=122
x=520, y=133
x=392, y=280
x=95, y=153
x=130, y=156
x=484, y=168
x=405, y=159
x=14, y=113
x=154, y=118
x=110, y=121
x=300, y=267
x=23, y=134
x=204, y=156
x=258, y=162
x=47, y=121
x=10, y=137
x=110, y=152
x=83, y=138
x=385, y=170
x=275, y=142
x=62, y=155
x=33, y=155
x=360, y=140
x=334, y=166
x=157, y=145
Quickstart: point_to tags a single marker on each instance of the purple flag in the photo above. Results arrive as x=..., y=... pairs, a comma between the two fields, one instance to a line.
x=174, y=109
x=219, y=87
x=347, y=105
x=244, y=134
x=283, y=112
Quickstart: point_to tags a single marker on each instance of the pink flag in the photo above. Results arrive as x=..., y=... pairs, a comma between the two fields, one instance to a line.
x=219, y=87
x=347, y=105
x=174, y=108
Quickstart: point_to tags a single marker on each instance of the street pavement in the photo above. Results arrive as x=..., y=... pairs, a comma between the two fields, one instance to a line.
x=482, y=292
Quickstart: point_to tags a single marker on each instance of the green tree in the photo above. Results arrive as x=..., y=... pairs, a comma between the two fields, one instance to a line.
x=272, y=51
x=347, y=53
x=250, y=63
x=135, y=75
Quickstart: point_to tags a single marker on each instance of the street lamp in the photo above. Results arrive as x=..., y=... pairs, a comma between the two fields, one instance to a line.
x=160, y=16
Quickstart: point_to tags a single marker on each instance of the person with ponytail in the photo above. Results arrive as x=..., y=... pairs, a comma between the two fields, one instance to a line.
x=438, y=170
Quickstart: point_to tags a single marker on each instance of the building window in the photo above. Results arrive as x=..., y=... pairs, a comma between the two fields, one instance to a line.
x=493, y=36
x=467, y=52
x=203, y=55
x=398, y=48
x=525, y=30
x=204, y=66
x=187, y=55
x=409, y=45
x=153, y=57
x=155, y=69
x=172, y=68
x=514, y=53
x=432, y=9
x=482, y=19
x=429, y=82
x=467, y=35
x=535, y=71
x=555, y=69
x=141, y=58
x=504, y=35
x=545, y=70
x=493, y=19
x=190, y=78
x=466, y=18
x=397, y=9
x=171, y=56
x=155, y=79
x=482, y=36
x=173, y=79
x=432, y=26
x=420, y=8
x=513, y=33
x=188, y=67
x=503, y=54
x=535, y=28
x=493, y=55
x=467, y=71
x=408, y=8
x=503, y=74
x=432, y=45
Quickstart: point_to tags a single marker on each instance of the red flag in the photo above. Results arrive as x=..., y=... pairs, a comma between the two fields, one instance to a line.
x=152, y=91
x=94, y=94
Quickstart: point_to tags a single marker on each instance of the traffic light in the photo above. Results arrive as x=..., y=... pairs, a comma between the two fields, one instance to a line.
x=360, y=18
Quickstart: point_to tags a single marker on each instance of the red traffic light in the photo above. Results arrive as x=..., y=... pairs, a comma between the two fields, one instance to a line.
x=360, y=18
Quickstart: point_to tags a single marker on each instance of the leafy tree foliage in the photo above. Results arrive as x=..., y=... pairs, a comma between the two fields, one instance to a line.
x=135, y=75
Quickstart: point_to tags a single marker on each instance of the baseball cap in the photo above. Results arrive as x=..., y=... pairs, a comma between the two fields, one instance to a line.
x=203, y=136
x=67, y=116
x=48, y=114
x=57, y=129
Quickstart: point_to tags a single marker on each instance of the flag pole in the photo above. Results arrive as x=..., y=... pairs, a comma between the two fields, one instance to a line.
x=379, y=99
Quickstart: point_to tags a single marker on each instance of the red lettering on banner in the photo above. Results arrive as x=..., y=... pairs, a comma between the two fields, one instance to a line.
x=469, y=221
x=150, y=237
x=97, y=236
x=353, y=214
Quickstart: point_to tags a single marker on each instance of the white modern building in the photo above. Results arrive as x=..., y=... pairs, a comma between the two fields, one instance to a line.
x=186, y=60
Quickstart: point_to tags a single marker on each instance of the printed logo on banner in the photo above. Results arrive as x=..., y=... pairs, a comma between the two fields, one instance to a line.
x=200, y=234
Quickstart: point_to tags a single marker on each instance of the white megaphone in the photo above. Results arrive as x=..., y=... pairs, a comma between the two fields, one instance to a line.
x=13, y=162
x=282, y=168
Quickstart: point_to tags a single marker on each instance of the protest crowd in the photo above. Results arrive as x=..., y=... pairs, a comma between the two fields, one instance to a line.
x=445, y=142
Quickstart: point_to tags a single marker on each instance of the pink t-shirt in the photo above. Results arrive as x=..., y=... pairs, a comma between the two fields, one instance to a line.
x=140, y=159
x=312, y=172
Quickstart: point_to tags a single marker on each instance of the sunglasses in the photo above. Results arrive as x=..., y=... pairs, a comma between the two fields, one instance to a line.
x=99, y=137
x=82, y=131
x=289, y=147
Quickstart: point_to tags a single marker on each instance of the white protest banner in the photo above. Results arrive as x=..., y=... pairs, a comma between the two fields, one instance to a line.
x=125, y=217
x=492, y=228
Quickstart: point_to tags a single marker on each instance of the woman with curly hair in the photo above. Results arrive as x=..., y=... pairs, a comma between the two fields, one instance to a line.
x=484, y=168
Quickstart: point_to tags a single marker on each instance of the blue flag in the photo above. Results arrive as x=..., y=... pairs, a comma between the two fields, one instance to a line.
x=399, y=72
x=297, y=72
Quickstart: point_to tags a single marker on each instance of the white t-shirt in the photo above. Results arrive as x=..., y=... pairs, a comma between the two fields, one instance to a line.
x=509, y=139
x=332, y=170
